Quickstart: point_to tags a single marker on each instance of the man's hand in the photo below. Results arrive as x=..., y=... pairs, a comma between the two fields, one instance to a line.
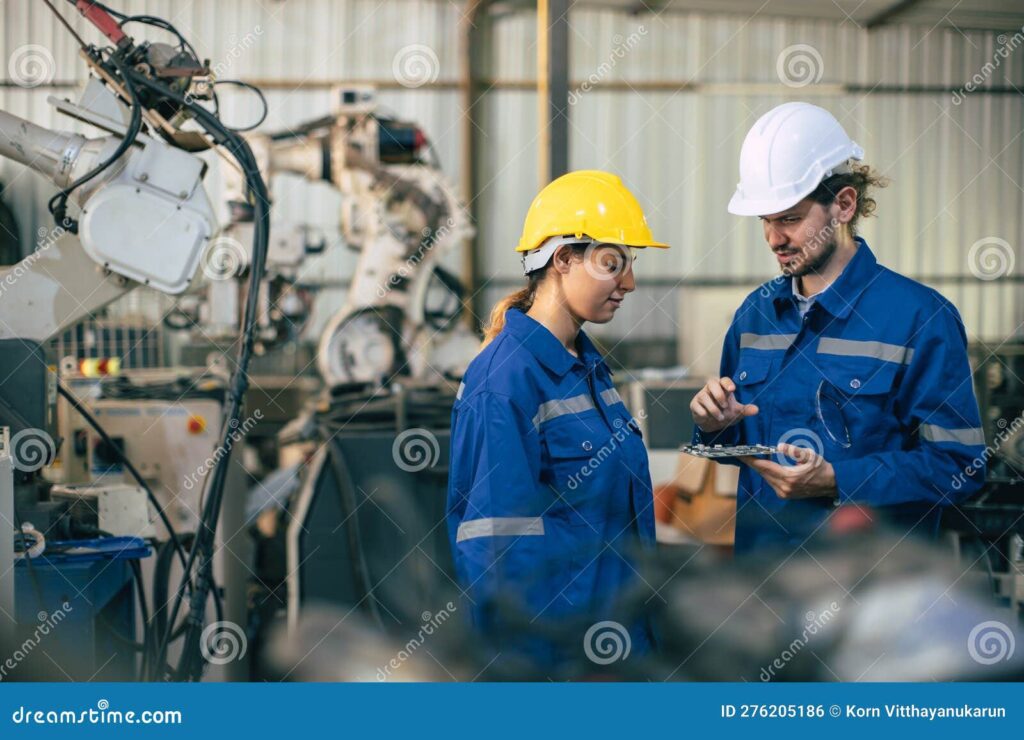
x=715, y=406
x=811, y=477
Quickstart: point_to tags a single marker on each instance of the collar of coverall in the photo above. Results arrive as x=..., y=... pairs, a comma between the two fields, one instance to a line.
x=536, y=337
x=839, y=297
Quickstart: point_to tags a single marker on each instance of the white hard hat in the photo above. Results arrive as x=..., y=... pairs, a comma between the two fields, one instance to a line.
x=786, y=155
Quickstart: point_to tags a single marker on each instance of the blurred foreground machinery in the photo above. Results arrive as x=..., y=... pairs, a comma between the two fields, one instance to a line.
x=861, y=605
x=989, y=529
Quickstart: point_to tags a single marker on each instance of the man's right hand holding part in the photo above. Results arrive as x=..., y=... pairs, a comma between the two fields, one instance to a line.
x=715, y=406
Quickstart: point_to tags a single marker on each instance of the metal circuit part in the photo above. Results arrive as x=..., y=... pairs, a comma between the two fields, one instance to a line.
x=716, y=451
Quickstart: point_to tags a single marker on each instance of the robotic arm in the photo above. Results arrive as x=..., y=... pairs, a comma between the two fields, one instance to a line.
x=145, y=220
x=402, y=216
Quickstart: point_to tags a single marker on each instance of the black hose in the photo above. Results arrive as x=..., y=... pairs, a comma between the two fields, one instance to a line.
x=175, y=541
x=357, y=551
x=58, y=203
x=91, y=420
x=259, y=94
x=192, y=662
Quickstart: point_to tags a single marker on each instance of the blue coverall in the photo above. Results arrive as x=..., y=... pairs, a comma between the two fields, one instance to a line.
x=877, y=370
x=549, y=490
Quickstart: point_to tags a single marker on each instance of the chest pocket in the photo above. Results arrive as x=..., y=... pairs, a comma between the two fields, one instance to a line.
x=858, y=380
x=854, y=400
x=753, y=370
x=581, y=466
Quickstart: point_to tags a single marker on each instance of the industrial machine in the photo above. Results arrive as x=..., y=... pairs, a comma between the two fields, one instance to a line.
x=989, y=528
x=124, y=459
x=363, y=529
x=400, y=317
x=10, y=242
x=143, y=219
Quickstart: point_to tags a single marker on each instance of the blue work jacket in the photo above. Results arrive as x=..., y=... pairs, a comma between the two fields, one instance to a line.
x=549, y=493
x=874, y=376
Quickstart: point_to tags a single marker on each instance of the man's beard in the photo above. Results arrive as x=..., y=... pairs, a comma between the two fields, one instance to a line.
x=819, y=258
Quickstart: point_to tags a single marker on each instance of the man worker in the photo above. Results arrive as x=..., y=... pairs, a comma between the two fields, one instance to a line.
x=858, y=374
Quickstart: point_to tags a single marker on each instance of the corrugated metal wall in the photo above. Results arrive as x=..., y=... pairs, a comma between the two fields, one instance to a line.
x=957, y=169
x=675, y=94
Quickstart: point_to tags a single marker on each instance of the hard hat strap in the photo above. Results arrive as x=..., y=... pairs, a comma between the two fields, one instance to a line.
x=538, y=258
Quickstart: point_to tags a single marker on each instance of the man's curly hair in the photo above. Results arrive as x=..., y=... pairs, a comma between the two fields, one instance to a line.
x=862, y=179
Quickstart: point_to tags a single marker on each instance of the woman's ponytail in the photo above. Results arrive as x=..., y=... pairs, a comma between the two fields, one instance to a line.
x=521, y=299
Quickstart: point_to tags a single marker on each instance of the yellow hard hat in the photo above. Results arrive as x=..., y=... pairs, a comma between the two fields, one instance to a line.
x=586, y=203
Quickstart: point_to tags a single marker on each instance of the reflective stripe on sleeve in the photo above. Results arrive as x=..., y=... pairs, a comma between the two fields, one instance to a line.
x=610, y=396
x=969, y=436
x=500, y=526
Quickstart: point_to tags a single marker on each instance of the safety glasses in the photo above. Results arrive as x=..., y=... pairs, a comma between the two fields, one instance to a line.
x=828, y=404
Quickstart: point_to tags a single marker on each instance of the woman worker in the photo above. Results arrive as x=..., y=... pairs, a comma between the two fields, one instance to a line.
x=549, y=487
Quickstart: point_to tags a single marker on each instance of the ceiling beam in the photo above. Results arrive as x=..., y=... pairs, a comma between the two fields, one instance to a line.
x=885, y=15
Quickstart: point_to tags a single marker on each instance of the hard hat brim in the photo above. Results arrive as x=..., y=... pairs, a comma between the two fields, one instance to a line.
x=740, y=206
x=635, y=245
